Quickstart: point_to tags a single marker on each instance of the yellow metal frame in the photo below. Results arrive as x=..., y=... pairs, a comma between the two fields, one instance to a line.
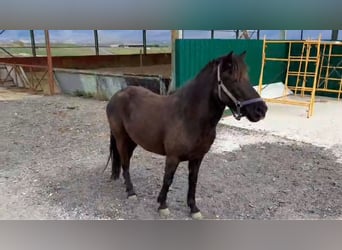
x=305, y=59
x=325, y=78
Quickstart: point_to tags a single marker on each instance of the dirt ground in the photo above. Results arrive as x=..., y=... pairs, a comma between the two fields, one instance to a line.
x=53, y=151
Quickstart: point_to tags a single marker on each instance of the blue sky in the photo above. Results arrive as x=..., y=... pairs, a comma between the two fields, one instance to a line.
x=135, y=36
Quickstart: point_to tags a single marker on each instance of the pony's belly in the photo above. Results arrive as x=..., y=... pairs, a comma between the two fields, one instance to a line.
x=156, y=150
x=197, y=152
x=149, y=141
x=153, y=147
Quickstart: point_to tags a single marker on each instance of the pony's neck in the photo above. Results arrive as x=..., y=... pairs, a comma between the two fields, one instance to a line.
x=200, y=101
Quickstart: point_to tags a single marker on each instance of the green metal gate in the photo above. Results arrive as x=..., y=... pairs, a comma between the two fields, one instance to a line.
x=193, y=54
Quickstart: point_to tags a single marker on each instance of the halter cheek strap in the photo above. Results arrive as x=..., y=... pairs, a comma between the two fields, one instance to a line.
x=237, y=114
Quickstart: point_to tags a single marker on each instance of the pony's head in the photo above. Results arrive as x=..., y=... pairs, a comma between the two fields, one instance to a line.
x=235, y=90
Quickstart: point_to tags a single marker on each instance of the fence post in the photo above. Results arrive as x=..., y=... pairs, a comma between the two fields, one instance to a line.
x=49, y=62
x=334, y=35
x=96, y=38
x=175, y=34
x=33, y=43
x=144, y=41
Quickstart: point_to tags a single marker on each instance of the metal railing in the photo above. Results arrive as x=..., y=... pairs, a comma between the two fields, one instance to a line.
x=96, y=48
x=7, y=52
x=32, y=77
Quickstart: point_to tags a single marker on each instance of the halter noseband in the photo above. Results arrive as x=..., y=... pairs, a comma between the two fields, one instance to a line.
x=237, y=115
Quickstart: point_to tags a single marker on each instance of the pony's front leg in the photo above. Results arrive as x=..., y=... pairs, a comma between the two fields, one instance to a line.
x=193, y=166
x=170, y=169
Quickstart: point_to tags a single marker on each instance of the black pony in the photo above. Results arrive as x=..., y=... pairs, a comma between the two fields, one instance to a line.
x=182, y=125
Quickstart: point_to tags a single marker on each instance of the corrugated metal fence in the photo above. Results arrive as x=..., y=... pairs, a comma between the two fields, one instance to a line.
x=193, y=54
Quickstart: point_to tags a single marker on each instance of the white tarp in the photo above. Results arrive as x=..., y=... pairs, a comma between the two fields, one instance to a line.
x=274, y=90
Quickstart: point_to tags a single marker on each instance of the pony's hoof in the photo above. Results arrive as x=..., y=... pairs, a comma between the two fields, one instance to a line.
x=165, y=212
x=197, y=216
x=132, y=197
x=114, y=177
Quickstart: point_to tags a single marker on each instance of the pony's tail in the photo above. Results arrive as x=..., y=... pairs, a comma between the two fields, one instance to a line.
x=115, y=157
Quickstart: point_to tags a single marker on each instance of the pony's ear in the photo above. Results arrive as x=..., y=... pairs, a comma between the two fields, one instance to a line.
x=243, y=54
x=226, y=61
x=229, y=56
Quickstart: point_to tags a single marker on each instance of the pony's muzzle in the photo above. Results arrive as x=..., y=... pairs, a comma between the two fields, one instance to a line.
x=256, y=111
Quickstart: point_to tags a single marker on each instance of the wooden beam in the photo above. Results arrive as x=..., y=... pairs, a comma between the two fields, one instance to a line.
x=175, y=34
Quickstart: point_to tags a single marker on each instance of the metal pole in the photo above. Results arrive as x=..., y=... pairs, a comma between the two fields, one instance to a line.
x=237, y=34
x=258, y=34
x=334, y=35
x=283, y=35
x=212, y=34
x=49, y=62
x=144, y=41
x=141, y=59
x=301, y=34
x=33, y=43
x=96, y=38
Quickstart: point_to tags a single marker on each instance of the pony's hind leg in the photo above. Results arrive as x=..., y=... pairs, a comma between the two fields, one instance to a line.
x=116, y=161
x=170, y=169
x=126, y=147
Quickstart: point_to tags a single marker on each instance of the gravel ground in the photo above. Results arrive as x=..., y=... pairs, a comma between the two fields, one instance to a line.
x=53, y=151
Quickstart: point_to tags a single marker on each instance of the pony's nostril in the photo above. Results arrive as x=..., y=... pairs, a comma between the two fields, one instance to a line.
x=259, y=110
